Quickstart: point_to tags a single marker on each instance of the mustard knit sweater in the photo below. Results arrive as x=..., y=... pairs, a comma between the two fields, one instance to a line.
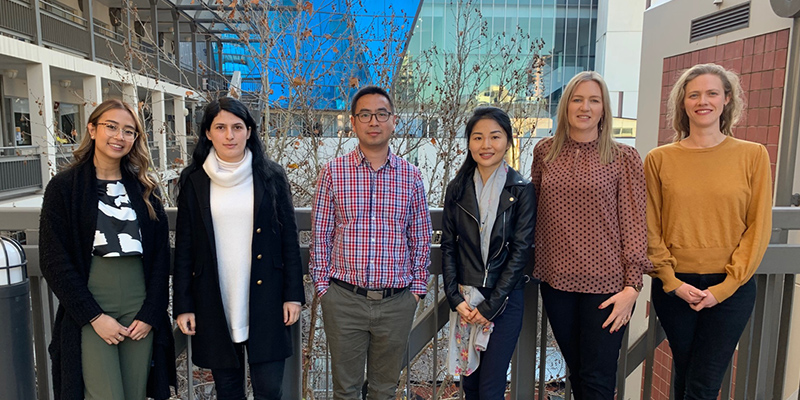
x=708, y=211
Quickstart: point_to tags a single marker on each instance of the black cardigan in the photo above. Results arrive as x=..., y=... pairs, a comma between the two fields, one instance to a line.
x=66, y=235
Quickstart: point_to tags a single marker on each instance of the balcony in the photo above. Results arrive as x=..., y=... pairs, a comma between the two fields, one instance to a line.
x=50, y=24
x=760, y=371
x=20, y=171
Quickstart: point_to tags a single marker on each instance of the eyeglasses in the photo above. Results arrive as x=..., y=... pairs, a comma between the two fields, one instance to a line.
x=381, y=116
x=112, y=130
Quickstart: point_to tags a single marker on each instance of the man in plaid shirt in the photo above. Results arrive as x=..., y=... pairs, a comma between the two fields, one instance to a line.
x=370, y=252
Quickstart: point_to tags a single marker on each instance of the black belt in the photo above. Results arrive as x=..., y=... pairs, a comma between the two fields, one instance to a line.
x=369, y=294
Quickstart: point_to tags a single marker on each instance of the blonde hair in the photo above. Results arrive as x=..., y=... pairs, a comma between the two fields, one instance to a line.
x=607, y=146
x=137, y=162
x=731, y=113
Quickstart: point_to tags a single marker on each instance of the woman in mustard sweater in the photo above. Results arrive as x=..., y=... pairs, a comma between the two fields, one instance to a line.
x=708, y=224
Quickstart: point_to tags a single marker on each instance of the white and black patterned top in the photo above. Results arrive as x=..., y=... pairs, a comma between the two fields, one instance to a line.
x=117, y=232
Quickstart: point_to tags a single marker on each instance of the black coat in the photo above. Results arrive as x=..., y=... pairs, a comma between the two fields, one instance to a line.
x=509, y=246
x=276, y=275
x=66, y=236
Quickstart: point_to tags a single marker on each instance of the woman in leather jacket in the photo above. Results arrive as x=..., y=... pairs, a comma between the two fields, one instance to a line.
x=488, y=223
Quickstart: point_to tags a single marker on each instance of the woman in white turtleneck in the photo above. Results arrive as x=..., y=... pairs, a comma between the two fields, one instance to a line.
x=237, y=280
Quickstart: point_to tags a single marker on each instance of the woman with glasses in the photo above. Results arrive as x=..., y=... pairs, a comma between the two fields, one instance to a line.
x=709, y=216
x=238, y=283
x=104, y=250
x=591, y=235
x=487, y=232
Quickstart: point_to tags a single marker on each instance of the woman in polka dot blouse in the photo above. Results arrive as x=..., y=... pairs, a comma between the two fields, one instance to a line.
x=590, y=236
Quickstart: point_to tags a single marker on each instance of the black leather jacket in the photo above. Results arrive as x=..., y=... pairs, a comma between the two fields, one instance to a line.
x=509, y=247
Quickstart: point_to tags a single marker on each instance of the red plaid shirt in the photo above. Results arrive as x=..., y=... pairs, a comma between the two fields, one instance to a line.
x=370, y=228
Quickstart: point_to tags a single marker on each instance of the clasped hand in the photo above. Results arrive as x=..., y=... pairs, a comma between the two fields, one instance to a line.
x=112, y=332
x=697, y=299
x=471, y=315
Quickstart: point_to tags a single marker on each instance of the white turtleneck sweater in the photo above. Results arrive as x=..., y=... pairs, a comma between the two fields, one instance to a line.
x=232, y=212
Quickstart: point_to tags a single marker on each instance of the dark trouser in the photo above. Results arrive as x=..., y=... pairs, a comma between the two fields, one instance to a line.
x=266, y=378
x=590, y=351
x=372, y=332
x=488, y=381
x=116, y=372
x=702, y=342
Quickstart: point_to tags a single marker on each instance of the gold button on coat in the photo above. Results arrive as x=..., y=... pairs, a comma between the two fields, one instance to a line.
x=258, y=282
x=258, y=256
x=258, y=230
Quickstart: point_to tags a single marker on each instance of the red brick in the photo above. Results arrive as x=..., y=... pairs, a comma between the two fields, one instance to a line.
x=749, y=133
x=745, y=80
x=782, y=39
x=748, y=47
x=774, y=117
x=739, y=131
x=695, y=57
x=719, y=54
x=736, y=65
x=753, y=99
x=769, y=42
x=773, y=152
x=758, y=44
x=665, y=66
x=776, y=97
x=735, y=50
x=758, y=61
x=673, y=63
x=778, y=78
x=769, y=61
x=780, y=58
x=764, y=97
x=761, y=135
x=751, y=117
x=747, y=64
x=773, y=133
x=755, y=81
x=763, y=116
x=766, y=79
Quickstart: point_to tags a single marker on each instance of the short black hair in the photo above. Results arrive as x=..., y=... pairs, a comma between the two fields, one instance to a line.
x=371, y=89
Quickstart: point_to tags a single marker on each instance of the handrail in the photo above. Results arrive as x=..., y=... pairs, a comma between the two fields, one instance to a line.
x=760, y=371
x=68, y=15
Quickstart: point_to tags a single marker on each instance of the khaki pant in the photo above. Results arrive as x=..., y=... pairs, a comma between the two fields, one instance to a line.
x=366, y=332
x=116, y=372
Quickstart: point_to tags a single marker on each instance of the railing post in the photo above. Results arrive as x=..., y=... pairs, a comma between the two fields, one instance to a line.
x=523, y=363
x=293, y=369
x=90, y=18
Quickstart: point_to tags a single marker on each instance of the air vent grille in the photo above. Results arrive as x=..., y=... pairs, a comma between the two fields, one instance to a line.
x=727, y=20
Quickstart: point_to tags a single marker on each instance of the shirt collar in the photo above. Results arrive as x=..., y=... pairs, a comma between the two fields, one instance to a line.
x=359, y=158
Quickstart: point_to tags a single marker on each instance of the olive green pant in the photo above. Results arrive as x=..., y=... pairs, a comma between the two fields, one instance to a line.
x=116, y=372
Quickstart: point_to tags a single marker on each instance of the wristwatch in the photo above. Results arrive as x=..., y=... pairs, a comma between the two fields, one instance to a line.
x=637, y=288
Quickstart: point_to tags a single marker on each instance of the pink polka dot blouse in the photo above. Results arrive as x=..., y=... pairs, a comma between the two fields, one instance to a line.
x=591, y=231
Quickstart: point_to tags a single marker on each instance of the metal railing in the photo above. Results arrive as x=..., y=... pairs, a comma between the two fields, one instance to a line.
x=762, y=356
x=20, y=171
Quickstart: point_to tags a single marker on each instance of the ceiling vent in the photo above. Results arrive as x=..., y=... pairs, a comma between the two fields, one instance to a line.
x=727, y=20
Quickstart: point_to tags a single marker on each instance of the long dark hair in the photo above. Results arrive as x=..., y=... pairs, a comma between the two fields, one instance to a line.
x=463, y=178
x=263, y=167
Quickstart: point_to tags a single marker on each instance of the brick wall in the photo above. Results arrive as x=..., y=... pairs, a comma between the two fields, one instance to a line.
x=761, y=64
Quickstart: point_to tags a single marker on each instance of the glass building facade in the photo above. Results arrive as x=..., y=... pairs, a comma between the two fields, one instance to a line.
x=567, y=29
x=340, y=45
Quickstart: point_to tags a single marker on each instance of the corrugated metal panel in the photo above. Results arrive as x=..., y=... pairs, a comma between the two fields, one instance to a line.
x=727, y=20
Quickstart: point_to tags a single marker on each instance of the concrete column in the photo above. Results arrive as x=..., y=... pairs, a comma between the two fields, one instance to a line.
x=130, y=95
x=40, y=100
x=160, y=128
x=179, y=104
x=92, y=95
